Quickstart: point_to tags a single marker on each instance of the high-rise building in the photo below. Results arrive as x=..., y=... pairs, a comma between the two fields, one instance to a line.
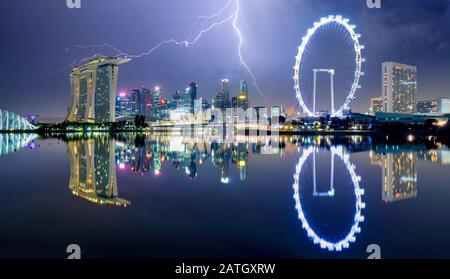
x=176, y=100
x=124, y=106
x=443, y=105
x=428, y=106
x=94, y=87
x=242, y=98
x=193, y=92
x=226, y=93
x=138, y=100
x=156, y=110
x=219, y=101
x=399, y=87
x=376, y=105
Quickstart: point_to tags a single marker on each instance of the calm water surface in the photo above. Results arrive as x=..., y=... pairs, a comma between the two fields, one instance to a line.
x=162, y=196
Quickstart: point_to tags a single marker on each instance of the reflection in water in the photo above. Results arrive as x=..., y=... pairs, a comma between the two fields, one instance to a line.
x=93, y=172
x=95, y=160
x=359, y=205
x=144, y=154
x=399, y=174
x=14, y=142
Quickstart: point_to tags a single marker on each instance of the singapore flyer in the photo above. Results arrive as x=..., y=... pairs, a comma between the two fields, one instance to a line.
x=350, y=236
x=330, y=53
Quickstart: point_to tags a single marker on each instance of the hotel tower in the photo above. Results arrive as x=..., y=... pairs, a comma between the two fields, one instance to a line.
x=94, y=87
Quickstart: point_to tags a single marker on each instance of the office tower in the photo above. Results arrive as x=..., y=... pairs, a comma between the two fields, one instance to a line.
x=94, y=90
x=399, y=87
x=138, y=102
x=147, y=97
x=193, y=92
x=186, y=100
x=119, y=112
x=176, y=99
x=376, y=105
x=156, y=110
x=399, y=174
x=443, y=105
x=242, y=99
x=219, y=101
x=428, y=106
x=226, y=93
x=124, y=106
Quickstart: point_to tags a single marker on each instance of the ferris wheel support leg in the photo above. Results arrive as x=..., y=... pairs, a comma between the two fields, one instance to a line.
x=314, y=172
x=314, y=92
x=332, y=93
x=332, y=174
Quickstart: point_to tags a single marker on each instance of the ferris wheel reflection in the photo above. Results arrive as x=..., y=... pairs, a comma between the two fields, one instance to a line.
x=324, y=242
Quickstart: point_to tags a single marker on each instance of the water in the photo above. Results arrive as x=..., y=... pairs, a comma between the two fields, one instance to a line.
x=168, y=196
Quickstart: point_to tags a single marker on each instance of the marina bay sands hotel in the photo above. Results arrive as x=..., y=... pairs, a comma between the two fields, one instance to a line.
x=94, y=86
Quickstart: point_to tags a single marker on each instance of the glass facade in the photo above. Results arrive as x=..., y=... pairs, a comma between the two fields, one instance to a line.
x=102, y=94
x=399, y=87
x=94, y=91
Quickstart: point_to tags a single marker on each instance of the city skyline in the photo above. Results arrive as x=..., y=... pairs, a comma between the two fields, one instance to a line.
x=160, y=68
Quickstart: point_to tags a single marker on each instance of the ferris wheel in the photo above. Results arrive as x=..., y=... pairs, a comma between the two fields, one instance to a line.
x=356, y=61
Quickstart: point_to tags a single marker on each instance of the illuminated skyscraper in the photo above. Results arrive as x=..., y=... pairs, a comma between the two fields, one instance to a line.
x=156, y=110
x=226, y=93
x=399, y=87
x=193, y=94
x=219, y=101
x=142, y=101
x=94, y=90
x=376, y=105
x=242, y=99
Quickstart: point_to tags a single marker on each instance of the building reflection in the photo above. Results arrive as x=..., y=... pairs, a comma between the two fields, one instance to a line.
x=148, y=153
x=399, y=175
x=10, y=143
x=93, y=172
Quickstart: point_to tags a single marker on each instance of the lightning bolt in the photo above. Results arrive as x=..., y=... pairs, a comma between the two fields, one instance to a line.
x=241, y=43
x=233, y=18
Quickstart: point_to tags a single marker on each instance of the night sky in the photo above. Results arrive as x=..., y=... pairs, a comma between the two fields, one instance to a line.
x=36, y=36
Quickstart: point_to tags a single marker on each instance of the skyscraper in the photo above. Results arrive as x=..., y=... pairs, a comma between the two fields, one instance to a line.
x=138, y=102
x=156, y=110
x=124, y=106
x=242, y=99
x=219, y=101
x=399, y=87
x=226, y=93
x=94, y=87
x=193, y=90
x=376, y=105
